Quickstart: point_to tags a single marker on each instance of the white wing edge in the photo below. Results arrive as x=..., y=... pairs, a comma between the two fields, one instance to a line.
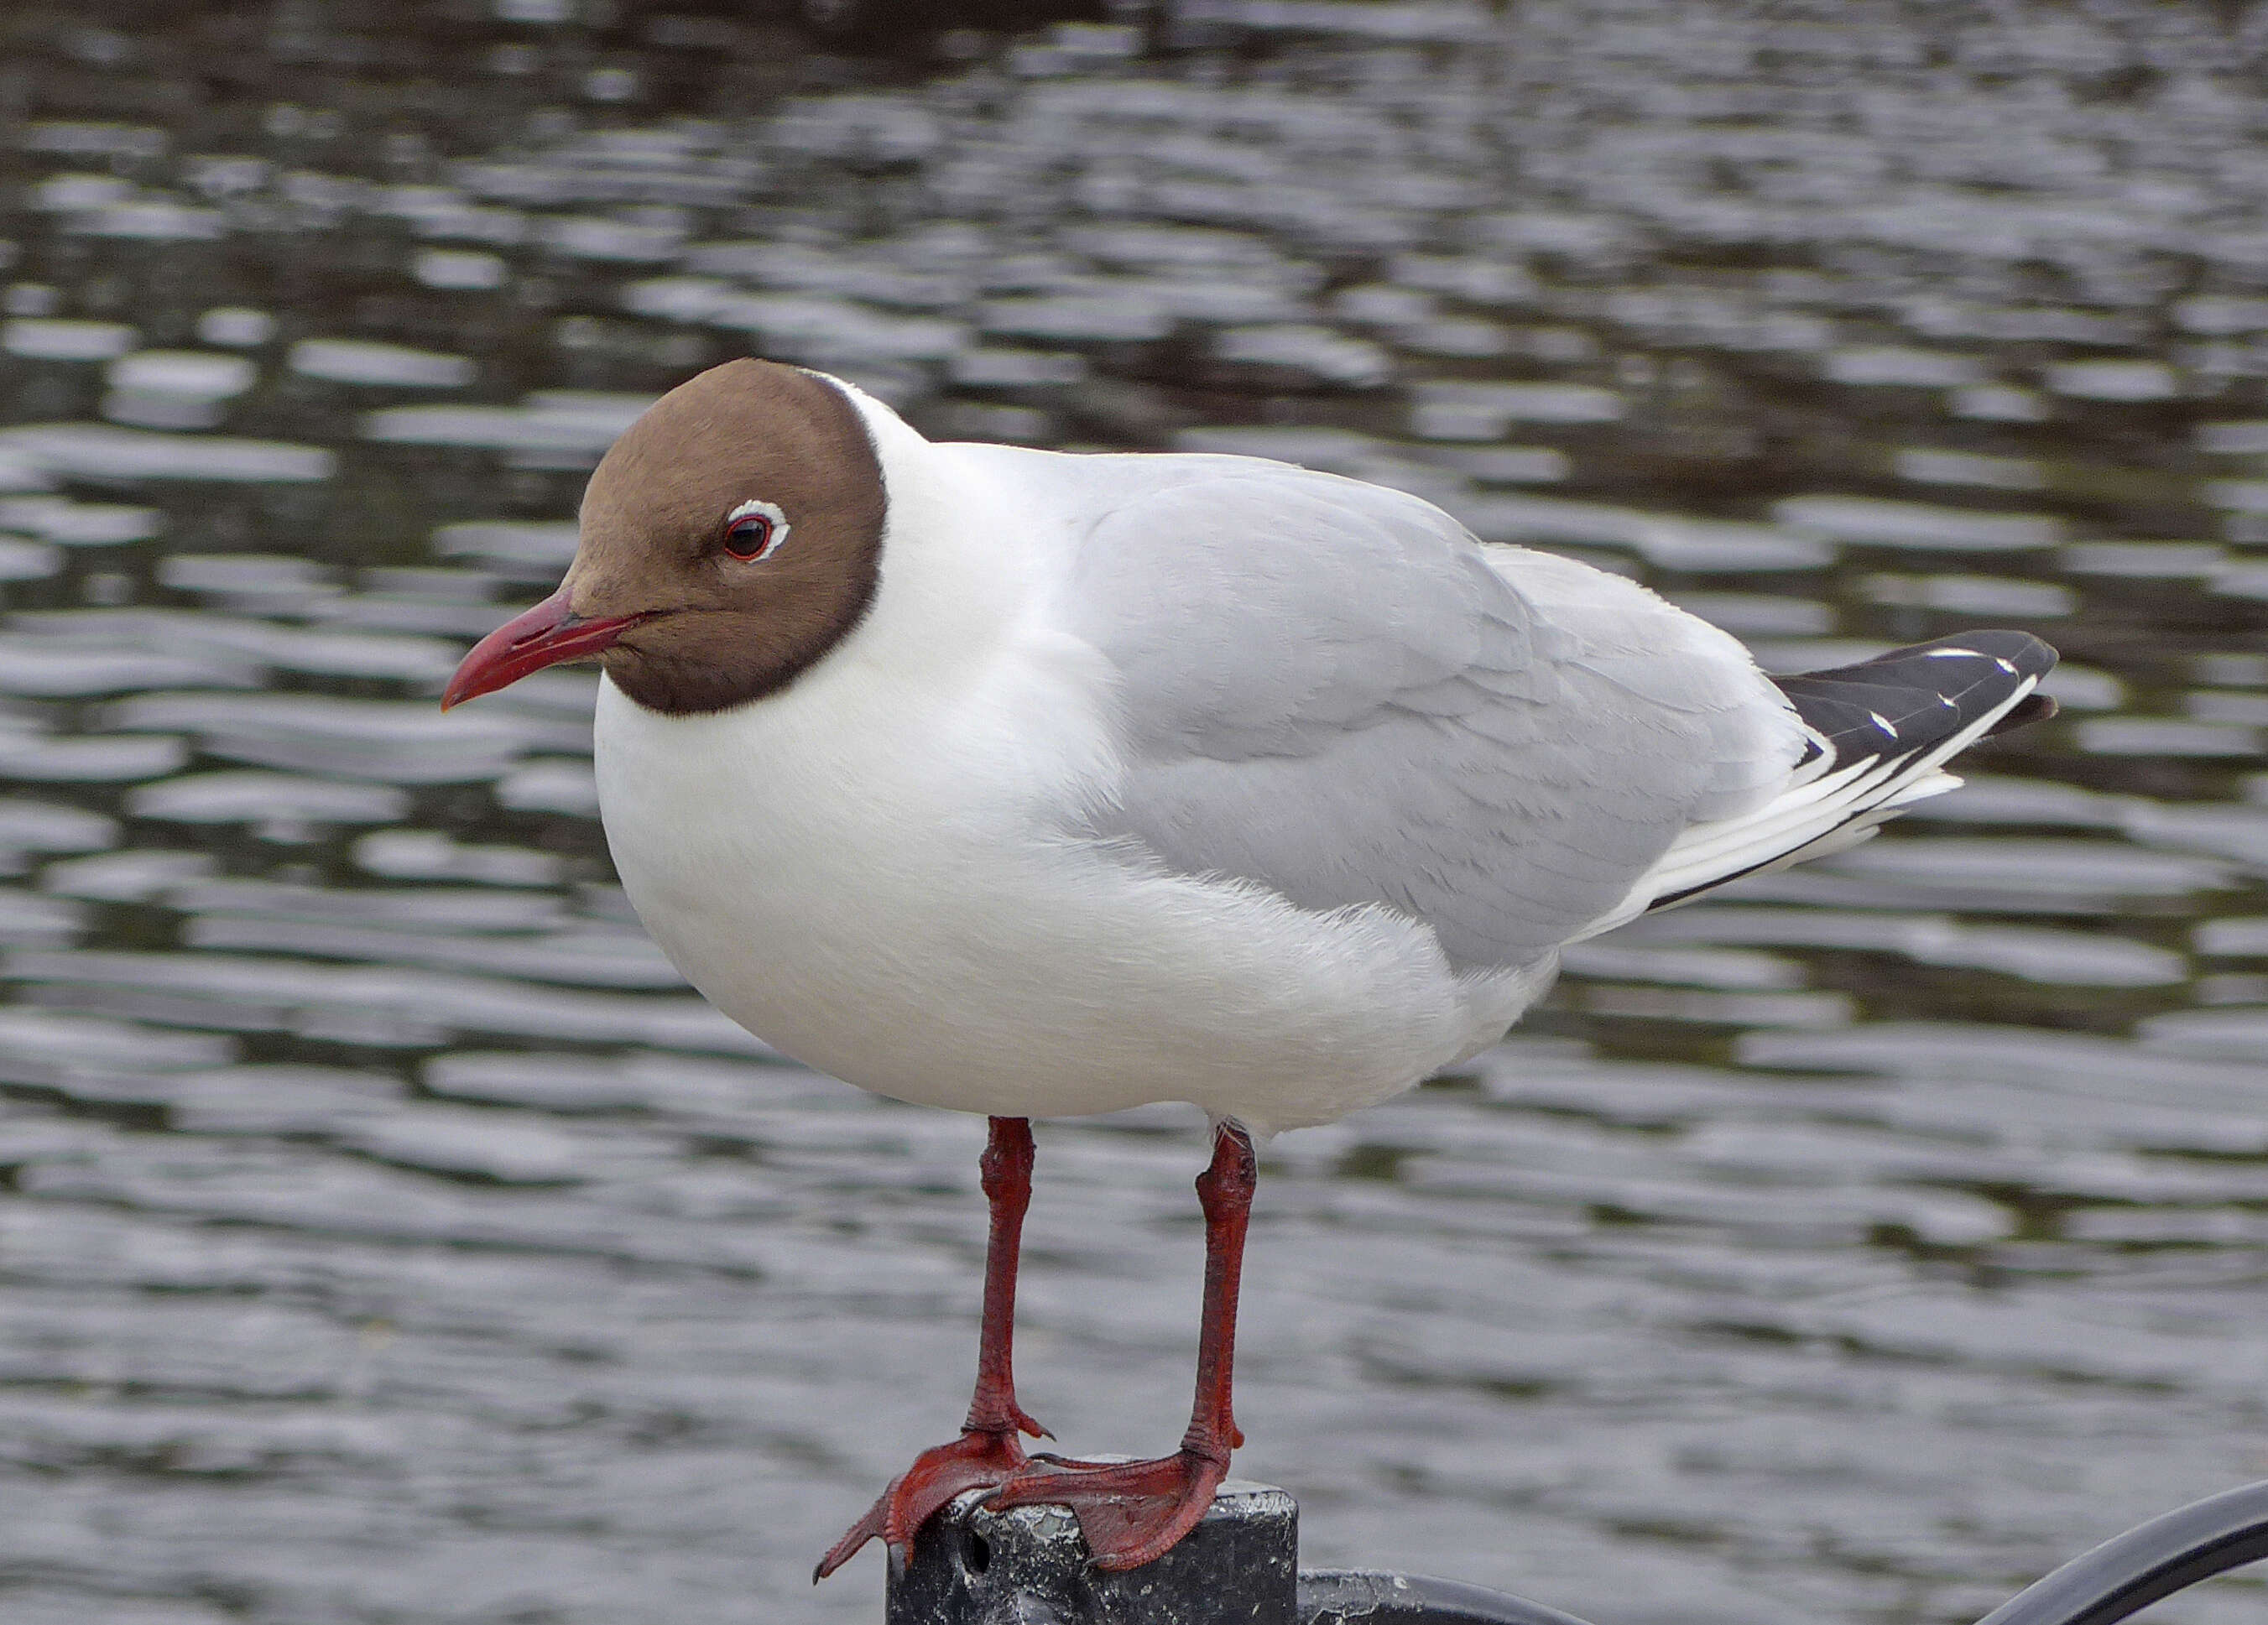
x=1820, y=811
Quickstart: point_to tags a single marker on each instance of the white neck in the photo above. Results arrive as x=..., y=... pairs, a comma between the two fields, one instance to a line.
x=958, y=564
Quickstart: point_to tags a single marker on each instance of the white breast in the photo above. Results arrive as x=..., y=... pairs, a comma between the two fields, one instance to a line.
x=877, y=871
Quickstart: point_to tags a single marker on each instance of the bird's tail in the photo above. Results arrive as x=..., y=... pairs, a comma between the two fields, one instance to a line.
x=1880, y=732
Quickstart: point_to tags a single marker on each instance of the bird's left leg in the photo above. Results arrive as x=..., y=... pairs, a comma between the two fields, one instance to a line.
x=1134, y=1512
x=988, y=1451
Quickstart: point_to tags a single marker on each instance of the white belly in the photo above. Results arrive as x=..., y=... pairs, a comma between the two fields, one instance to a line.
x=887, y=895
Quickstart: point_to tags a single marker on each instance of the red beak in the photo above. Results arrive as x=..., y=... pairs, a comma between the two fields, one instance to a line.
x=538, y=637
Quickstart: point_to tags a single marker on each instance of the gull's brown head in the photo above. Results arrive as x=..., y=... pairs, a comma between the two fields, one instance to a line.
x=730, y=539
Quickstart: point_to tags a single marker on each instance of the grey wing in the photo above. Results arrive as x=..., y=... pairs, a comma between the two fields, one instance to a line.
x=1329, y=688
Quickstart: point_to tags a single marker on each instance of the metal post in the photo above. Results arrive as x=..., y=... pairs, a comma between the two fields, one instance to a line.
x=1241, y=1567
x=1028, y=1566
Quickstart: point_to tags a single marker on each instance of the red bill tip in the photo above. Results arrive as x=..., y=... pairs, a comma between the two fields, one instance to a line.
x=530, y=640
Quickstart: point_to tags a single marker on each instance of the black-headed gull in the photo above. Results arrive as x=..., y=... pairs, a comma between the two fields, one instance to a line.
x=1040, y=785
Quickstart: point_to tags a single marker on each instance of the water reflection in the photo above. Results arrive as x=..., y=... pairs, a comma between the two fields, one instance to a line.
x=388, y=1234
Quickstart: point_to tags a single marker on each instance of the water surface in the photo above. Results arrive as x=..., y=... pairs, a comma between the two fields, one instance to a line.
x=387, y=1234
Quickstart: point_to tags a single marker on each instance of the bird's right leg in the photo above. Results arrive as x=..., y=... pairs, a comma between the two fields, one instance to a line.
x=988, y=1449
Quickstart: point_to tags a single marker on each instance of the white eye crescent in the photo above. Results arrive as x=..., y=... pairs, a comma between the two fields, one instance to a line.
x=755, y=530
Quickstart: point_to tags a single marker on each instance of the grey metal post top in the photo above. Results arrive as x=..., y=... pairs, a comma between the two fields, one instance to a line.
x=1028, y=1566
x=1240, y=1566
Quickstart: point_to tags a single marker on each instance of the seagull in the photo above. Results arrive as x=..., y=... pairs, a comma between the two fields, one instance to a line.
x=1038, y=784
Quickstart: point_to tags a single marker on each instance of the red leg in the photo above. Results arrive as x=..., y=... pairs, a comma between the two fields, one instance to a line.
x=1134, y=1512
x=987, y=1452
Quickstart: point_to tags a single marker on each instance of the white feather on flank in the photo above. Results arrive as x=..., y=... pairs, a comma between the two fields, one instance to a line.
x=1825, y=809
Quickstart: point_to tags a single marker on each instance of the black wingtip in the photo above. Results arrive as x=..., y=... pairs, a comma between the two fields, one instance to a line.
x=1907, y=700
x=2023, y=654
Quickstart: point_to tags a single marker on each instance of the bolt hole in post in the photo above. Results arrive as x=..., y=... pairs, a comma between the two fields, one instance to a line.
x=975, y=1553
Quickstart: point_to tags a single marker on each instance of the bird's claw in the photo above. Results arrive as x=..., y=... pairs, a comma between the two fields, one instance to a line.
x=980, y=1459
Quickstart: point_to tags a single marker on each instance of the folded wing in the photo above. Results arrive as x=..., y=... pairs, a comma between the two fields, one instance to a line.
x=1330, y=689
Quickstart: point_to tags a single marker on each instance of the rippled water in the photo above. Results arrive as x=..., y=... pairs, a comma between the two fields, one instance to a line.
x=387, y=1234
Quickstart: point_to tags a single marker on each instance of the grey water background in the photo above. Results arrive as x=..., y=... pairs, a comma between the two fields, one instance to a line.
x=386, y=1234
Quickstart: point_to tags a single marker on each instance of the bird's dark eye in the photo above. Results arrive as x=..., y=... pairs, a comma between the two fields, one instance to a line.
x=750, y=538
x=753, y=531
